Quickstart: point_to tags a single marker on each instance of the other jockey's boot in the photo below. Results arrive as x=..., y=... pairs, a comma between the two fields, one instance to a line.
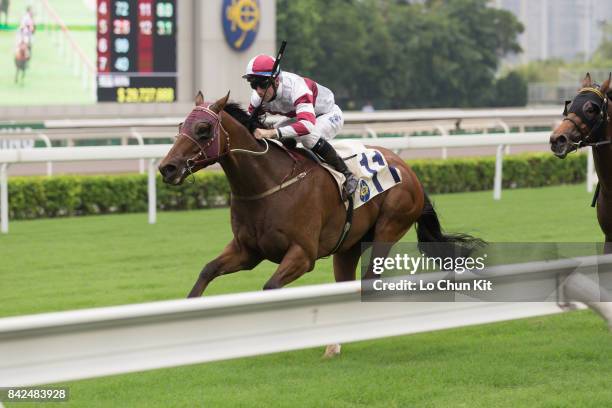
x=329, y=155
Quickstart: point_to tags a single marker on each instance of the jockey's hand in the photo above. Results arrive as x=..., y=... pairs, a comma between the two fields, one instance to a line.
x=265, y=133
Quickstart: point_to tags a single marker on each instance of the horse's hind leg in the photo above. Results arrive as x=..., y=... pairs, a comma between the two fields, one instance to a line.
x=234, y=258
x=387, y=231
x=345, y=264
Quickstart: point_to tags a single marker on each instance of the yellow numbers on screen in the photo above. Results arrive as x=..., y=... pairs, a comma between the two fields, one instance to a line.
x=145, y=95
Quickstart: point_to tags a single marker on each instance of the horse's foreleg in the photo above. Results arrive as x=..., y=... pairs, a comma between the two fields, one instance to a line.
x=234, y=258
x=295, y=263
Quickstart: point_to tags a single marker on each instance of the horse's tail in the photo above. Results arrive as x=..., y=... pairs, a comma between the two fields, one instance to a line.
x=434, y=242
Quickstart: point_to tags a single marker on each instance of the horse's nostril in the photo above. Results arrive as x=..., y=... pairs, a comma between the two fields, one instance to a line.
x=559, y=144
x=557, y=140
x=168, y=170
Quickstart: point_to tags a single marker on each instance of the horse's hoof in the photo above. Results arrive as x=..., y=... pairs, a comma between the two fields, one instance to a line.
x=332, y=351
x=568, y=306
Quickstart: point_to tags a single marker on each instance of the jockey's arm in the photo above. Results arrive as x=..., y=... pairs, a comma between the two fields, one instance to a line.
x=260, y=133
x=304, y=123
x=305, y=119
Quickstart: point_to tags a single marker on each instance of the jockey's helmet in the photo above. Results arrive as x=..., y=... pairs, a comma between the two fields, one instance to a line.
x=261, y=65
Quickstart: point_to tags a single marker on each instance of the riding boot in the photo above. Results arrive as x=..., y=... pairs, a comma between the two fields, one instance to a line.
x=328, y=154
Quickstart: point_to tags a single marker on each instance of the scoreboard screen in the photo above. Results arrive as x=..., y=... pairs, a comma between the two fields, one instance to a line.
x=136, y=44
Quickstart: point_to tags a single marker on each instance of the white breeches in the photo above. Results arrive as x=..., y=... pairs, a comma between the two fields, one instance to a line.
x=327, y=127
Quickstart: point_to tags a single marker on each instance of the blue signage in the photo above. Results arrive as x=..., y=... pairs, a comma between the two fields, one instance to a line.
x=240, y=22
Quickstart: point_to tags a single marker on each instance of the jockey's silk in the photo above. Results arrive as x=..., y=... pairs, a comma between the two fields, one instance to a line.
x=27, y=23
x=299, y=98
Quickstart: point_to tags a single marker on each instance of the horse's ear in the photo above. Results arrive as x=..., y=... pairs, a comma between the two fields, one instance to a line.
x=587, y=81
x=199, y=99
x=606, y=85
x=220, y=104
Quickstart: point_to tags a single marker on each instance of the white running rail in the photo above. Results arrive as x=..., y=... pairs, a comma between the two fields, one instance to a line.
x=65, y=346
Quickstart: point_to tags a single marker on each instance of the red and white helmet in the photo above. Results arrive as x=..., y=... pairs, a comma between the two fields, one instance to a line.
x=261, y=65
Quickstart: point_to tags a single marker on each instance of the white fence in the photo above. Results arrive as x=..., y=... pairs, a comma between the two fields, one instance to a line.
x=154, y=152
x=64, y=346
x=367, y=124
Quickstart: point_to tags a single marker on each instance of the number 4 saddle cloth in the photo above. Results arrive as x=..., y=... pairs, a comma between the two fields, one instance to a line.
x=369, y=166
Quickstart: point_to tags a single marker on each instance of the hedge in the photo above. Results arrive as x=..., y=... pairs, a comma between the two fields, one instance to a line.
x=37, y=197
x=476, y=174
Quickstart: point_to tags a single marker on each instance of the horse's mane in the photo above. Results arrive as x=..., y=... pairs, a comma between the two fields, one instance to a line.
x=242, y=116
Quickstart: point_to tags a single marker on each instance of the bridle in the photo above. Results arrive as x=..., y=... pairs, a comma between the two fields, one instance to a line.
x=603, y=119
x=203, y=158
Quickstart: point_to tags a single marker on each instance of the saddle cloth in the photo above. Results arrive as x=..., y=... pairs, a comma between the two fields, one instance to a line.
x=369, y=166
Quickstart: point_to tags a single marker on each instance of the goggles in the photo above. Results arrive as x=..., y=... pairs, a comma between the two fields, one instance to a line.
x=258, y=82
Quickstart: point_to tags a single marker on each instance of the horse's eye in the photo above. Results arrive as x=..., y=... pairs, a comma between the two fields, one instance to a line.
x=590, y=110
x=202, y=130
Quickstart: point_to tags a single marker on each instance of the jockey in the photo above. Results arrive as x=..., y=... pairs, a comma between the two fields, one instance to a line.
x=27, y=21
x=314, y=118
x=27, y=26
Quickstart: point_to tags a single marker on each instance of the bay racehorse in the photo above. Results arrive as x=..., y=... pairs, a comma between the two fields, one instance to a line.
x=586, y=123
x=286, y=208
x=22, y=56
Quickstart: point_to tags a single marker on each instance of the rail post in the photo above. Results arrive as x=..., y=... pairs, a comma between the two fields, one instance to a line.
x=591, y=176
x=4, y=198
x=497, y=182
x=444, y=135
x=152, y=191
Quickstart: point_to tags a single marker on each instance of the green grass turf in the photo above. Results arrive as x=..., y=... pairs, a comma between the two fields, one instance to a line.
x=94, y=261
x=557, y=361
x=49, y=79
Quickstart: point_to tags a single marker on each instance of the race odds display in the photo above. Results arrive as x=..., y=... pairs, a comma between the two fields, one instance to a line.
x=136, y=43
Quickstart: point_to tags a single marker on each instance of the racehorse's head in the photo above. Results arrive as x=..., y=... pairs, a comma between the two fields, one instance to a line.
x=585, y=119
x=200, y=142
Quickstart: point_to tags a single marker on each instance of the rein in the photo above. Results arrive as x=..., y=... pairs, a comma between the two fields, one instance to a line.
x=273, y=189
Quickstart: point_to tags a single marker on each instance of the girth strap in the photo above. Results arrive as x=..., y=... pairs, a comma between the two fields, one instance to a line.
x=347, y=225
x=594, y=202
